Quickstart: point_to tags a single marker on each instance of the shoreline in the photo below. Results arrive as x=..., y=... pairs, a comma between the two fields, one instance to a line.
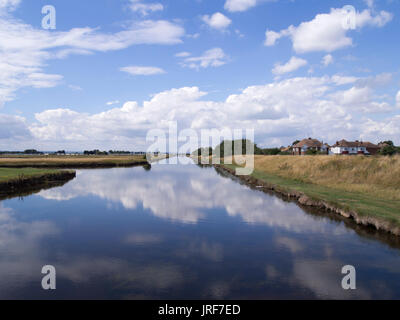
x=304, y=200
x=33, y=184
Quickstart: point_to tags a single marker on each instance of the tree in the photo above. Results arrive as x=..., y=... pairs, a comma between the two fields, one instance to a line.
x=31, y=151
x=388, y=142
x=295, y=142
x=272, y=151
x=388, y=150
x=231, y=148
x=203, y=152
x=95, y=152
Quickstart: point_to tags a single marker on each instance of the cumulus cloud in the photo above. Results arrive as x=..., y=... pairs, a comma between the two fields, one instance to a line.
x=360, y=98
x=327, y=60
x=24, y=50
x=293, y=64
x=278, y=111
x=215, y=57
x=271, y=37
x=326, y=31
x=142, y=71
x=145, y=8
x=239, y=5
x=217, y=21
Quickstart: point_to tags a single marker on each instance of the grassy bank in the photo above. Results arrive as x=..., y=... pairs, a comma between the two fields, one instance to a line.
x=366, y=186
x=12, y=174
x=15, y=181
x=71, y=161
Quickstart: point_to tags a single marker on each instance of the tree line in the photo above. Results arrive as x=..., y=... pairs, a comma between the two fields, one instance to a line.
x=227, y=148
x=388, y=149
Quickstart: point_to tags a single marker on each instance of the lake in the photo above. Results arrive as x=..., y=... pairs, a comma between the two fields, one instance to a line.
x=184, y=232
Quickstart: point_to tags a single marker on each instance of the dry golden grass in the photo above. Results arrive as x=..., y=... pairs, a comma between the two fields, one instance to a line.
x=377, y=176
x=54, y=161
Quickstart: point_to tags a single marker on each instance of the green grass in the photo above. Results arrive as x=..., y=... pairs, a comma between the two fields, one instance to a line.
x=10, y=174
x=363, y=204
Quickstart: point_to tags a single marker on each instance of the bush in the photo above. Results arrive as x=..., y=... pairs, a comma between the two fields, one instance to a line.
x=311, y=152
x=246, y=145
x=389, y=150
x=203, y=152
x=271, y=152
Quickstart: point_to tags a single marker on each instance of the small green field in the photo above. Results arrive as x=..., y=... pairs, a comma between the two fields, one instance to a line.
x=13, y=174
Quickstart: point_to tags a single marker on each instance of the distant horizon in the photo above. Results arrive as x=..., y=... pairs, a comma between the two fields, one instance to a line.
x=143, y=151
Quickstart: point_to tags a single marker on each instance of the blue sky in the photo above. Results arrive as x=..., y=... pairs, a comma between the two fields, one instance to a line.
x=112, y=70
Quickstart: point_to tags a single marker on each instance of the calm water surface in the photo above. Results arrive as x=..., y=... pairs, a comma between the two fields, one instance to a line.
x=184, y=232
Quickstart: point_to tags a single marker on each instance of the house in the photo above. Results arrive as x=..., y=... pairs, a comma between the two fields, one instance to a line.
x=305, y=145
x=354, y=147
x=372, y=148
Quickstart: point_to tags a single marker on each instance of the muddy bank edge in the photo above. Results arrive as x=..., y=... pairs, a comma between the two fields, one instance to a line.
x=17, y=186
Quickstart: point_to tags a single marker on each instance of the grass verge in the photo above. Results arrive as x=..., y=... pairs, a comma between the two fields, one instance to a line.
x=13, y=174
x=378, y=210
x=18, y=182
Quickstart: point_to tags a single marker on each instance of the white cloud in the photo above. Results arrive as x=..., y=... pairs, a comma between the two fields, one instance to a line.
x=211, y=58
x=217, y=21
x=327, y=60
x=278, y=111
x=145, y=8
x=293, y=64
x=381, y=79
x=385, y=129
x=24, y=50
x=239, y=5
x=326, y=32
x=143, y=71
x=360, y=99
x=342, y=80
x=9, y=5
x=271, y=37
x=183, y=54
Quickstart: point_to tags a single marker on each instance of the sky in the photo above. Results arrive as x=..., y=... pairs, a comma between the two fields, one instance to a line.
x=111, y=70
